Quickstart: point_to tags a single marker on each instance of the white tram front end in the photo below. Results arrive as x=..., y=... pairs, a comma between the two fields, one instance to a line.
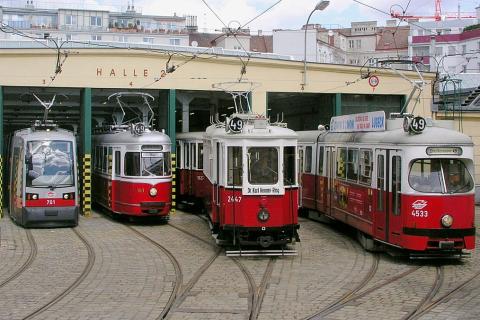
x=250, y=166
x=43, y=180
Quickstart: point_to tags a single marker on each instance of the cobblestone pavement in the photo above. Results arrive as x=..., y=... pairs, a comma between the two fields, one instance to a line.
x=107, y=269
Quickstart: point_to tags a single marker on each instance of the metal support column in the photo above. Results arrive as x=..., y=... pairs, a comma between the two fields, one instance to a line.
x=86, y=136
x=172, y=99
x=338, y=105
x=1, y=152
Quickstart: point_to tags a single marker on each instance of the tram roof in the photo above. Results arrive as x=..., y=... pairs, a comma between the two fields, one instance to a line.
x=126, y=137
x=432, y=135
x=30, y=134
x=249, y=132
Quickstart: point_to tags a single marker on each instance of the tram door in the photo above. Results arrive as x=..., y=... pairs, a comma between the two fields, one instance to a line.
x=387, y=219
x=330, y=171
x=300, y=173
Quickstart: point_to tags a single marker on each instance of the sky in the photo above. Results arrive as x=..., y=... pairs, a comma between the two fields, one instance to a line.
x=283, y=14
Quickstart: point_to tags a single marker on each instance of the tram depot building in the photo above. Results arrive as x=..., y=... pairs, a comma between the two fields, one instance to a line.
x=191, y=87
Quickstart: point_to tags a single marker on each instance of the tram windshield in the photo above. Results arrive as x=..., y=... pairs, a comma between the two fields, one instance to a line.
x=440, y=176
x=49, y=164
x=262, y=165
x=147, y=164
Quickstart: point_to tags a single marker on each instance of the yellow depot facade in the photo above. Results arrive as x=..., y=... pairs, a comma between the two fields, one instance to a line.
x=186, y=76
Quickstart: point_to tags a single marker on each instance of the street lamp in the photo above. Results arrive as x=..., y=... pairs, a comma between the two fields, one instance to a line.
x=320, y=6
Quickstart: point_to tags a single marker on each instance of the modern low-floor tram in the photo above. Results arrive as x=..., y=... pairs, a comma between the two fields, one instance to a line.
x=43, y=177
x=397, y=185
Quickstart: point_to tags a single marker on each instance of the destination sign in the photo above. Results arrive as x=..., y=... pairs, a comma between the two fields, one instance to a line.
x=263, y=190
x=368, y=121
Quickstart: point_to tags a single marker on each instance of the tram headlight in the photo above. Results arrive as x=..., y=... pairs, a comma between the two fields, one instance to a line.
x=153, y=192
x=32, y=196
x=263, y=215
x=447, y=221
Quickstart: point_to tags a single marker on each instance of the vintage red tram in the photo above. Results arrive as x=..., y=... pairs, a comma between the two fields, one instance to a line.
x=132, y=168
x=404, y=182
x=247, y=180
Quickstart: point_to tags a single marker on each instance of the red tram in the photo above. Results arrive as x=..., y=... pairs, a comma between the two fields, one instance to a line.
x=404, y=182
x=245, y=172
x=132, y=169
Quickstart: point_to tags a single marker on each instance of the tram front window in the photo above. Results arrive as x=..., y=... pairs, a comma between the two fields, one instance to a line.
x=147, y=164
x=49, y=163
x=440, y=176
x=262, y=165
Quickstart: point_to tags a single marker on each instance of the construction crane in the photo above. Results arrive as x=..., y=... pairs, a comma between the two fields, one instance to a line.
x=438, y=14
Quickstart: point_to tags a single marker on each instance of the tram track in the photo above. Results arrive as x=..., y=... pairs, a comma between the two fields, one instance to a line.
x=31, y=257
x=439, y=276
x=86, y=270
x=351, y=294
x=255, y=294
x=176, y=265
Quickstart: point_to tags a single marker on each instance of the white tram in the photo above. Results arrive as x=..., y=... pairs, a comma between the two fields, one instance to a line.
x=43, y=180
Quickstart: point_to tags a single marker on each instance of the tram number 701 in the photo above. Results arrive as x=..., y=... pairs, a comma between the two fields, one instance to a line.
x=50, y=202
x=420, y=213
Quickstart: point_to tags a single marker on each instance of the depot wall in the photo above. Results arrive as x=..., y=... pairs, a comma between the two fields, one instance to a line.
x=121, y=68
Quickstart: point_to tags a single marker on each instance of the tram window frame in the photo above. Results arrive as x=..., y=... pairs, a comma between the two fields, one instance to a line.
x=109, y=160
x=105, y=159
x=380, y=182
x=365, y=164
x=100, y=159
x=186, y=155
x=129, y=166
x=341, y=171
x=289, y=164
x=396, y=185
x=308, y=159
x=193, y=154
x=234, y=171
x=200, y=156
x=117, y=163
x=178, y=155
x=352, y=164
x=321, y=155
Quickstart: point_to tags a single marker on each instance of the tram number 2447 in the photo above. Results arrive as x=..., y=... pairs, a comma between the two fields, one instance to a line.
x=420, y=213
x=236, y=199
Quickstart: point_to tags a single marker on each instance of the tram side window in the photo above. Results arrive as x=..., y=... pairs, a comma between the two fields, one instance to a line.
x=200, y=156
x=365, y=166
x=186, y=157
x=352, y=165
x=308, y=159
x=109, y=160
x=396, y=184
x=132, y=164
x=117, y=163
x=289, y=166
x=380, y=182
x=179, y=155
x=193, y=149
x=341, y=159
x=234, y=166
x=320, y=160
x=105, y=159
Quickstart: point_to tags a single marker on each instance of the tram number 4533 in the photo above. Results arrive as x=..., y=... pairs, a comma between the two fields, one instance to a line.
x=420, y=213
